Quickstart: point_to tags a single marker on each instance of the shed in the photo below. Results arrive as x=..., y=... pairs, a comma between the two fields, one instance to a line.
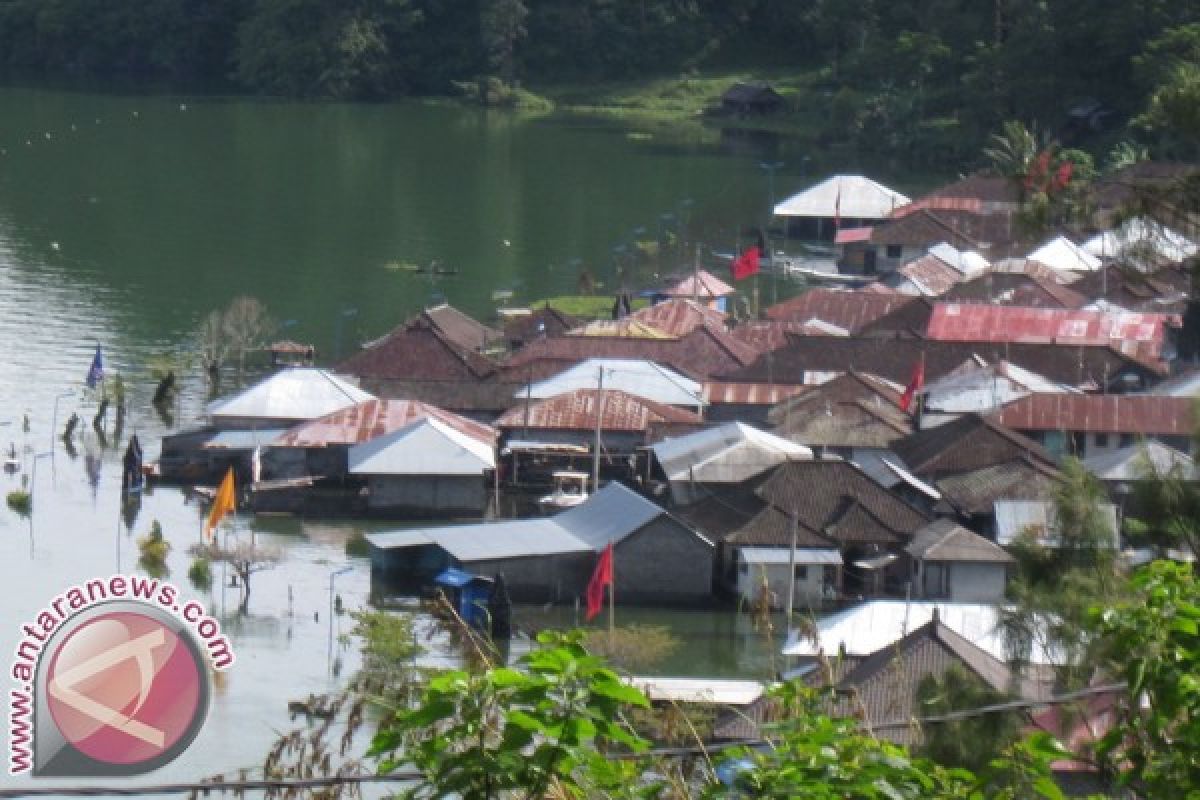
x=295, y=394
x=656, y=558
x=751, y=98
x=425, y=468
x=950, y=562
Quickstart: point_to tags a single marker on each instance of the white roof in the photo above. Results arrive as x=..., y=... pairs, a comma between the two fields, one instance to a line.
x=1063, y=254
x=783, y=555
x=973, y=387
x=609, y=515
x=850, y=196
x=1131, y=463
x=912, y=480
x=717, y=691
x=728, y=453
x=635, y=376
x=425, y=446
x=876, y=624
x=299, y=393
x=968, y=262
x=1141, y=241
x=1014, y=517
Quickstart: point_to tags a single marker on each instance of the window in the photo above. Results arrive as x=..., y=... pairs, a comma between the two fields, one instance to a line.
x=895, y=250
x=744, y=568
x=801, y=572
x=1101, y=440
x=1126, y=440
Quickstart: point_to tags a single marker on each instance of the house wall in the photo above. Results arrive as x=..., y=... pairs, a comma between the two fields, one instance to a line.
x=664, y=562
x=540, y=579
x=962, y=582
x=438, y=494
x=810, y=584
x=1085, y=445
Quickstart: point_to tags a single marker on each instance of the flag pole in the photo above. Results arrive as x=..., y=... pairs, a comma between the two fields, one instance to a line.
x=612, y=593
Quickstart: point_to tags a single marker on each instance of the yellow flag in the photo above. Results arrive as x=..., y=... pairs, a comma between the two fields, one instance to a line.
x=223, y=502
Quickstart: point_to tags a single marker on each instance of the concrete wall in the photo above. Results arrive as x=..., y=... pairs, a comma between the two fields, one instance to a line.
x=437, y=494
x=664, y=562
x=962, y=582
x=810, y=587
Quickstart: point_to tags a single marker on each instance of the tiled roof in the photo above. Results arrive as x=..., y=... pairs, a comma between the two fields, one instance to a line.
x=894, y=358
x=1139, y=334
x=846, y=309
x=946, y=540
x=1150, y=415
x=461, y=330
x=848, y=387
x=771, y=527
x=1119, y=188
x=831, y=495
x=1166, y=290
x=725, y=509
x=985, y=189
x=964, y=444
x=924, y=228
x=543, y=321
x=700, y=354
x=576, y=411
x=374, y=418
x=418, y=350
x=679, y=316
x=857, y=423
x=975, y=492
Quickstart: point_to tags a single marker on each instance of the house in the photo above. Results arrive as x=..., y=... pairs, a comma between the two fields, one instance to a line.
x=427, y=468
x=813, y=572
x=924, y=276
x=952, y=563
x=747, y=98
x=841, y=201
x=744, y=402
x=703, y=287
x=1030, y=290
x=1165, y=290
x=627, y=424
x=638, y=377
x=656, y=559
x=420, y=360
x=1039, y=520
x=679, y=316
x=319, y=447
x=978, y=388
x=805, y=360
x=847, y=310
x=289, y=396
x=524, y=325
x=692, y=464
x=1144, y=336
x=966, y=444
x=972, y=494
x=1085, y=425
x=1061, y=254
x=204, y=455
x=852, y=416
x=1126, y=469
x=901, y=239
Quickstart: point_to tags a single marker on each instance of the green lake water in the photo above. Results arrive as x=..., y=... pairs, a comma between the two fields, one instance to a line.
x=123, y=220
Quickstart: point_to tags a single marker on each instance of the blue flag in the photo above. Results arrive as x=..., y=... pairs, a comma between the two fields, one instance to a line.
x=96, y=371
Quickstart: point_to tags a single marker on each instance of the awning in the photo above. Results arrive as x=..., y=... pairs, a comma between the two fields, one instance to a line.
x=783, y=555
x=523, y=446
x=852, y=235
x=876, y=562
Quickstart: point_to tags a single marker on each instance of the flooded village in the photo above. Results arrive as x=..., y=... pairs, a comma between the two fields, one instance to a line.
x=856, y=458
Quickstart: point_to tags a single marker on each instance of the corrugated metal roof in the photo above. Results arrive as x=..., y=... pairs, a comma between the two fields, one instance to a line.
x=244, y=440
x=850, y=196
x=972, y=205
x=1150, y=415
x=850, y=310
x=1138, y=334
x=576, y=410
x=852, y=235
x=636, y=376
x=768, y=394
x=299, y=393
x=877, y=624
x=728, y=453
x=627, y=328
x=930, y=275
x=714, y=691
x=426, y=446
x=376, y=417
x=679, y=316
x=1063, y=254
x=608, y=516
x=783, y=555
x=707, y=286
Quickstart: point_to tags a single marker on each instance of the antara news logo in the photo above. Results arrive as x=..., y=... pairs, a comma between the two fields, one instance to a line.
x=112, y=679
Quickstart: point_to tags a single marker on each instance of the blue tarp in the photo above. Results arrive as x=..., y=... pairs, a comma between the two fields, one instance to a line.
x=457, y=578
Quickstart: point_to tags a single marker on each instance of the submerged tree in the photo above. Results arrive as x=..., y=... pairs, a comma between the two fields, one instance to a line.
x=243, y=326
x=244, y=559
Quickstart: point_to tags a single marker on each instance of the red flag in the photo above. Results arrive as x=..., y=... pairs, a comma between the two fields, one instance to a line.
x=746, y=264
x=914, y=385
x=603, y=576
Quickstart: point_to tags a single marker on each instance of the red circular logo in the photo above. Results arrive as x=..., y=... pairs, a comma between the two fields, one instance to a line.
x=125, y=688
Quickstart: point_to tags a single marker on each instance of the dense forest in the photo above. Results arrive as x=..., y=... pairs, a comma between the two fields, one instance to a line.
x=892, y=74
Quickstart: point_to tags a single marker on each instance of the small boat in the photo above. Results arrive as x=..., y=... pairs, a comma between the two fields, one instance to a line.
x=570, y=489
x=12, y=463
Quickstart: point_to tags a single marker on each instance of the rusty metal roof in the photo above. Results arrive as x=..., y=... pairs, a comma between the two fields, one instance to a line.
x=848, y=309
x=577, y=411
x=679, y=316
x=750, y=394
x=1137, y=334
x=930, y=275
x=1151, y=415
x=375, y=418
x=704, y=285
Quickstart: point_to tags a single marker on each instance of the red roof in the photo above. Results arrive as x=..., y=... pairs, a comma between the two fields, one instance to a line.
x=576, y=411
x=1139, y=334
x=1149, y=415
x=852, y=235
x=972, y=205
x=846, y=309
x=373, y=418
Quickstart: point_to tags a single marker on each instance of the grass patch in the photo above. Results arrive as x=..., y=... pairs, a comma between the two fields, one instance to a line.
x=20, y=502
x=586, y=306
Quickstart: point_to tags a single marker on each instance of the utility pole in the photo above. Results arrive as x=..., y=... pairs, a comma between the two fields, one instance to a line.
x=791, y=598
x=599, y=418
x=770, y=167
